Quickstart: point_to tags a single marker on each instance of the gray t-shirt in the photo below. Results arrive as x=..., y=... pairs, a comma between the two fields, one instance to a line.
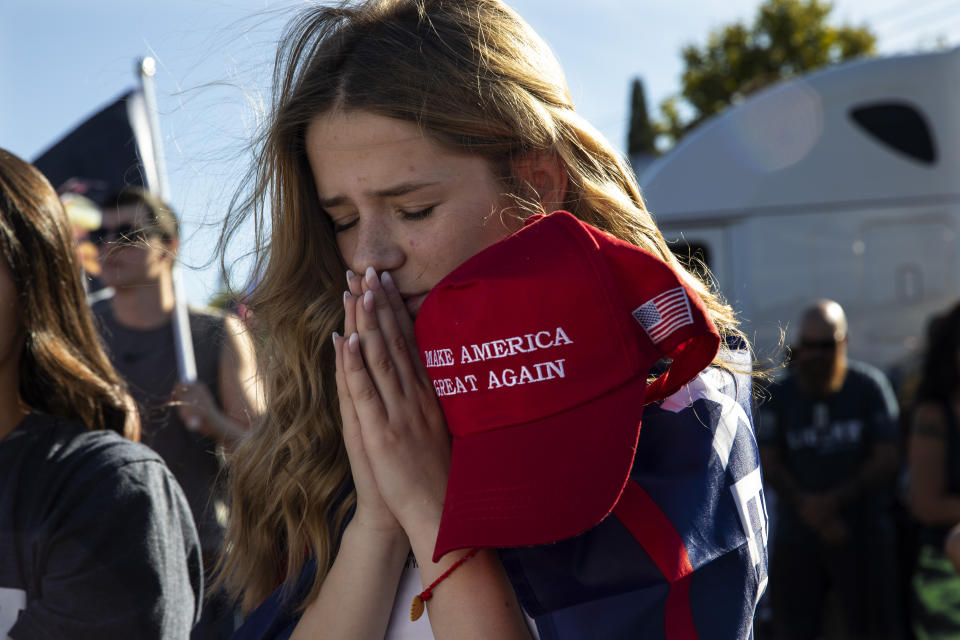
x=147, y=361
x=96, y=538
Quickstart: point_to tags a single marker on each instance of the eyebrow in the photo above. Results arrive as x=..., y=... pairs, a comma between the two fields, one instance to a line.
x=390, y=192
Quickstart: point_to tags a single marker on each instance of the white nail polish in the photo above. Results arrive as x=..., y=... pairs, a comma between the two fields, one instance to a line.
x=350, y=276
x=371, y=276
x=354, y=342
x=368, y=301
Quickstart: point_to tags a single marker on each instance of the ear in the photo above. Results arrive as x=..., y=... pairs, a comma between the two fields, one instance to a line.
x=545, y=175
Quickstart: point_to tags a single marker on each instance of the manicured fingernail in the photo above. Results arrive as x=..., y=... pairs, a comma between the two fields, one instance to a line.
x=335, y=336
x=387, y=281
x=368, y=301
x=350, y=276
x=371, y=276
x=346, y=294
x=354, y=342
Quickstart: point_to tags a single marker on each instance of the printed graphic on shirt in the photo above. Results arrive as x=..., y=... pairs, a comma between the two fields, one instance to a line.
x=826, y=434
x=400, y=626
x=11, y=603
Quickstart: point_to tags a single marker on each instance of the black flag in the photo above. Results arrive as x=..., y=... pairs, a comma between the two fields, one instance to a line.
x=108, y=151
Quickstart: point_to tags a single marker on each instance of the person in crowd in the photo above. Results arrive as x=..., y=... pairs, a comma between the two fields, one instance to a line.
x=96, y=537
x=84, y=216
x=188, y=424
x=952, y=547
x=405, y=137
x=934, y=476
x=828, y=443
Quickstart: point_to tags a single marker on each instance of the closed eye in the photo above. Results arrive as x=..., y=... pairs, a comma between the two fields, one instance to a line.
x=406, y=215
x=339, y=226
x=343, y=226
x=417, y=215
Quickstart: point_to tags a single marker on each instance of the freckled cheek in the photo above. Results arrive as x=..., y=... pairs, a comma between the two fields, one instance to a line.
x=347, y=250
x=462, y=249
x=435, y=254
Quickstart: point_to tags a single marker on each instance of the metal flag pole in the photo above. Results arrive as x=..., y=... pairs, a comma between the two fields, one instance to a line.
x=182, y=337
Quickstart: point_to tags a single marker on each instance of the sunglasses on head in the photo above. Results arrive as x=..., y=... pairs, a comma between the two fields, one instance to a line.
x=121, y=234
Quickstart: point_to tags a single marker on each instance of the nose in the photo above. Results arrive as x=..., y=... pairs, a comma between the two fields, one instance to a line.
x=374, y=245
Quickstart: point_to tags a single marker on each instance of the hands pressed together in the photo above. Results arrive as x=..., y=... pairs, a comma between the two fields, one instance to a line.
x=399, y=448
x=393, y=427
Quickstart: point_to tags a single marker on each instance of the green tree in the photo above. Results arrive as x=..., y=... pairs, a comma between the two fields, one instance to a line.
x=642, y=135
x=787, y=38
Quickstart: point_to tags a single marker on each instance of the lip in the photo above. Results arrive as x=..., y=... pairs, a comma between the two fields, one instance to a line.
x=413, y=301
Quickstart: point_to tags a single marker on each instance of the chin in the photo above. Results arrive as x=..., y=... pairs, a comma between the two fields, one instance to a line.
x=821, y=380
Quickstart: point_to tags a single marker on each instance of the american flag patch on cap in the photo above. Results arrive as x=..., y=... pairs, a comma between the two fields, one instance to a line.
x=664, y=314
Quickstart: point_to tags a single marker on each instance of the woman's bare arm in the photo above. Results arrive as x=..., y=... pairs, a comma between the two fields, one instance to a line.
x=929, y=501
x=356, y=598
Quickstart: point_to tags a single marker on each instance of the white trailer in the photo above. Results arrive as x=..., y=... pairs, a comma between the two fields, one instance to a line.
x=842, y=184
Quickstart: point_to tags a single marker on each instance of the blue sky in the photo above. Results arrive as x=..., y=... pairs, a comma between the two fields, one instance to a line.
x=61, y=60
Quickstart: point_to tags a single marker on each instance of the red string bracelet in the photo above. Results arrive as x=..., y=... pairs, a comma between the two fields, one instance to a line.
x=417, y=606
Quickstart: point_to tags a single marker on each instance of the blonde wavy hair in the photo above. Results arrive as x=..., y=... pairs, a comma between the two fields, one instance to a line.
x=475, y=78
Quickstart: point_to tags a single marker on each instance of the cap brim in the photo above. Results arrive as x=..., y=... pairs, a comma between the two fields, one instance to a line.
x=542, y=481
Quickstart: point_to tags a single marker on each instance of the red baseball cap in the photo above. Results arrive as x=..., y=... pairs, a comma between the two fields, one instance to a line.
x=540, y=348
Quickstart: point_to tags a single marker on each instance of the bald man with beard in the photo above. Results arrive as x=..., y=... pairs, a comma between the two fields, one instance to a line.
x=828, y=443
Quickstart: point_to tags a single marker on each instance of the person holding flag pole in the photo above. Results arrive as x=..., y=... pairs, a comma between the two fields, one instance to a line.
x=192, y=371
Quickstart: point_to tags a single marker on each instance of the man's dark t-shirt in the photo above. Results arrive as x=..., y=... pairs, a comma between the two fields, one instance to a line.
x=823, y=443
x=96, y=537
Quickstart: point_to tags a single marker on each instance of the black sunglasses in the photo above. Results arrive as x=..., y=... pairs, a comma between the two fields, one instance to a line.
x=125, y=234
x=818, y=345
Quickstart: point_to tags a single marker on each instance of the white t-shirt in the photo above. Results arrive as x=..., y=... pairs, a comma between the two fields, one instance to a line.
x=11, y=602
x=400, y=626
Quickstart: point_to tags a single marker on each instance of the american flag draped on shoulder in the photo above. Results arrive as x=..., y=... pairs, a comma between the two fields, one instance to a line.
x=684, y=554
